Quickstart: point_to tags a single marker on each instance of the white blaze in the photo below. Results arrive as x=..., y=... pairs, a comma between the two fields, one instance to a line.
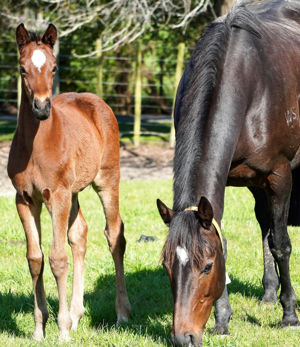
x=38, y=59
x=182, y=255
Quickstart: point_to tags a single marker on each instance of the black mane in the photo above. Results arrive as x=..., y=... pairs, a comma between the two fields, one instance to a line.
x=34, y=37
x=192, y=240
x=194, y=97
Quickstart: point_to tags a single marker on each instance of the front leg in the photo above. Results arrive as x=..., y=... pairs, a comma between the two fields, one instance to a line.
x=29, y=213
x=279, y=242
x=223, y=310
x=59, y=206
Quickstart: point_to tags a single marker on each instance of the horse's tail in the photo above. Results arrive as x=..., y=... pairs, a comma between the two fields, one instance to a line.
x=294, y=212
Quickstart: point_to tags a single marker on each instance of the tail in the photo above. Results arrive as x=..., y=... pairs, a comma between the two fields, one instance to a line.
x=294, y=212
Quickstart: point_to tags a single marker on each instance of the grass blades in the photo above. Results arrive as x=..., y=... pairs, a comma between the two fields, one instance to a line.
x=148, y=286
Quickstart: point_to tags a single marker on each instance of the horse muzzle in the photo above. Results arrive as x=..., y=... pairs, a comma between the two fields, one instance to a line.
x=188, y=339
x=41, y=108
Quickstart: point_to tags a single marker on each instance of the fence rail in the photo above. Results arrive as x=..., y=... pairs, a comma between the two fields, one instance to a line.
x=112, y=76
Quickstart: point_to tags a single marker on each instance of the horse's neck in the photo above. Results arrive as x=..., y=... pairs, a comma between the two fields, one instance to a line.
x=205, y=171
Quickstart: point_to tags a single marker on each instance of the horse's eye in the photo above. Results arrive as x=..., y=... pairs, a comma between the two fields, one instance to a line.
x=54, y=69
x=22, y=70
x=207, y=268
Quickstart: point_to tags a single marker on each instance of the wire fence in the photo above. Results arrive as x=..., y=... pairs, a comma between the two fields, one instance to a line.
x=111, y=76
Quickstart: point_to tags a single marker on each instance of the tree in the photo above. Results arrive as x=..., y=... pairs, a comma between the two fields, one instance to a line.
x=118, y=22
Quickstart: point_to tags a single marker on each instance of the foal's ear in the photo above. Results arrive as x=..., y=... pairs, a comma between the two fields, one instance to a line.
x=22, y=36
x=205, y=212
x=166, y=213
x=50, y=36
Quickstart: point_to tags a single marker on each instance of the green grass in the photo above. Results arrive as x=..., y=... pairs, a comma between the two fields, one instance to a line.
x=150, y=131
x=7, y=129
x=148, y=285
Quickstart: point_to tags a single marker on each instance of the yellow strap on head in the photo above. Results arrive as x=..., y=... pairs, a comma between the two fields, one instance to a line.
x=214, y=222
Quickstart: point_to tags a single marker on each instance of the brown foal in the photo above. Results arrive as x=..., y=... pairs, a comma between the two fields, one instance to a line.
x=60, y=147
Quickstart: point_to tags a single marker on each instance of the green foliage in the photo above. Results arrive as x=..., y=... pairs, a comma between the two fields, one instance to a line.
x=252, y=324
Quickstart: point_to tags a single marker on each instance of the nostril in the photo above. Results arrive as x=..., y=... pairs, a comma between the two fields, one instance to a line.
x=36, y=104
x=190, y=339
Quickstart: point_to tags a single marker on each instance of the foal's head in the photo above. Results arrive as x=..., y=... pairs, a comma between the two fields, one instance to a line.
x=37, y=68
x=193, y=258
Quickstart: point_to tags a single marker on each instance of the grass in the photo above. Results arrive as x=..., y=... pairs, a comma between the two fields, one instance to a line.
x=7, y=129
x=148, y=286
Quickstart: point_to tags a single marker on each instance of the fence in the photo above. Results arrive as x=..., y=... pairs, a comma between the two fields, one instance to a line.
x=137, y=80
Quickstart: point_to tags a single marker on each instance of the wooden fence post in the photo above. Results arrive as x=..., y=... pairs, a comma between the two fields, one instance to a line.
x=99, y=87
x=56, y=87
x=138, y=98
x=178, y=74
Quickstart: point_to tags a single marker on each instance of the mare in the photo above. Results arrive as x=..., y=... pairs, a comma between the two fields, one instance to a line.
x=59, y=148
x=237, y=120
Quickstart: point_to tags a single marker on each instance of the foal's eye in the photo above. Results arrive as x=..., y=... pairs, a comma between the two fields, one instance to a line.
x=22, y=70
x=54, y=69
x=207, y=268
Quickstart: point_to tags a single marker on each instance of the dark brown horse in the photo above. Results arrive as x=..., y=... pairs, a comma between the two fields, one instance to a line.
x=237, y=120
x=60, y=147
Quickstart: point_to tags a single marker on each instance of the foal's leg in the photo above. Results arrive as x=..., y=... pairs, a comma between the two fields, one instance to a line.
x=107, y=188
x=279, y=242
x=29, y=213
x=270, y=278
x=77, y=239
x=59, y=206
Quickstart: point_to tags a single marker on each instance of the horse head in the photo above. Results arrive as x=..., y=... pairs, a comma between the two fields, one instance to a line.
x=194, y=260
x=37, y=68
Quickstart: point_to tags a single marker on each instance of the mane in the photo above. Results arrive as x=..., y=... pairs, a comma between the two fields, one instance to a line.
x=194, y=97
x=34, y=37
x=192, y=240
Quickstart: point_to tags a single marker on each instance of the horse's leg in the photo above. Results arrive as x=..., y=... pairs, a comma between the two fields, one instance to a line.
x=107, y=187
x=77, y=240
x=59, y=206
x=280, y=182
x=29, y=213
x=270, y=278
x=223, y=310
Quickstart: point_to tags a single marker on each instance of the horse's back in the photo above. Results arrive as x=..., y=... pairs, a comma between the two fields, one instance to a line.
x=88, y=106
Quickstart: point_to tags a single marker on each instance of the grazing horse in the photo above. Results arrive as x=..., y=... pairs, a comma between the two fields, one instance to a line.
x=59, y=148
x=237, y=120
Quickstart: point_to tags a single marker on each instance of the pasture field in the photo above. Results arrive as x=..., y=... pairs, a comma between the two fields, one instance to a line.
x=147, y=283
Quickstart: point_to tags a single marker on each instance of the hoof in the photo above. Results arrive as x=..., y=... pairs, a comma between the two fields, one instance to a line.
x=220, y=330
x=291, y=322
x=38, y=335
x=64, y=337
x=269, y=297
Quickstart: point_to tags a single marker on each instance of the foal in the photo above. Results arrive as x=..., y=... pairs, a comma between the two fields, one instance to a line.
x=60, y=147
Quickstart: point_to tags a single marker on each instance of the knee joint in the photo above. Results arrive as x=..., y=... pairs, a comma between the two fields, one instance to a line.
x=59, y=265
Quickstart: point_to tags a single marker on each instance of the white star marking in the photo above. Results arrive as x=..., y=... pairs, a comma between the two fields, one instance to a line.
x=38, y=59
x=182, y=255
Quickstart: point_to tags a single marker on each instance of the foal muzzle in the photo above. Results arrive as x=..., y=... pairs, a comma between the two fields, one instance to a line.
x=41, y=109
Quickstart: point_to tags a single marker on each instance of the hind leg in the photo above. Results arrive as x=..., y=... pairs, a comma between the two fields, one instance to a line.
x=270, y=278
x=77, y=236
x=280, y=182
x=108, y=191
x=29, y=213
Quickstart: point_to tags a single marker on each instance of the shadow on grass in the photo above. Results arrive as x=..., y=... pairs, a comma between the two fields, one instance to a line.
x=150, y=297
x=149, y=294
x=245, y=288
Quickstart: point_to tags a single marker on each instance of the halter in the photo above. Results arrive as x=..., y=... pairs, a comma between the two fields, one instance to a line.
x=214, y=222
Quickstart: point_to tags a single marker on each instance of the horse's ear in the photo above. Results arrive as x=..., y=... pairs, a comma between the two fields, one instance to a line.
x=166, y=213
x=50, y=36
x=205, y=212
x=22, y=36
